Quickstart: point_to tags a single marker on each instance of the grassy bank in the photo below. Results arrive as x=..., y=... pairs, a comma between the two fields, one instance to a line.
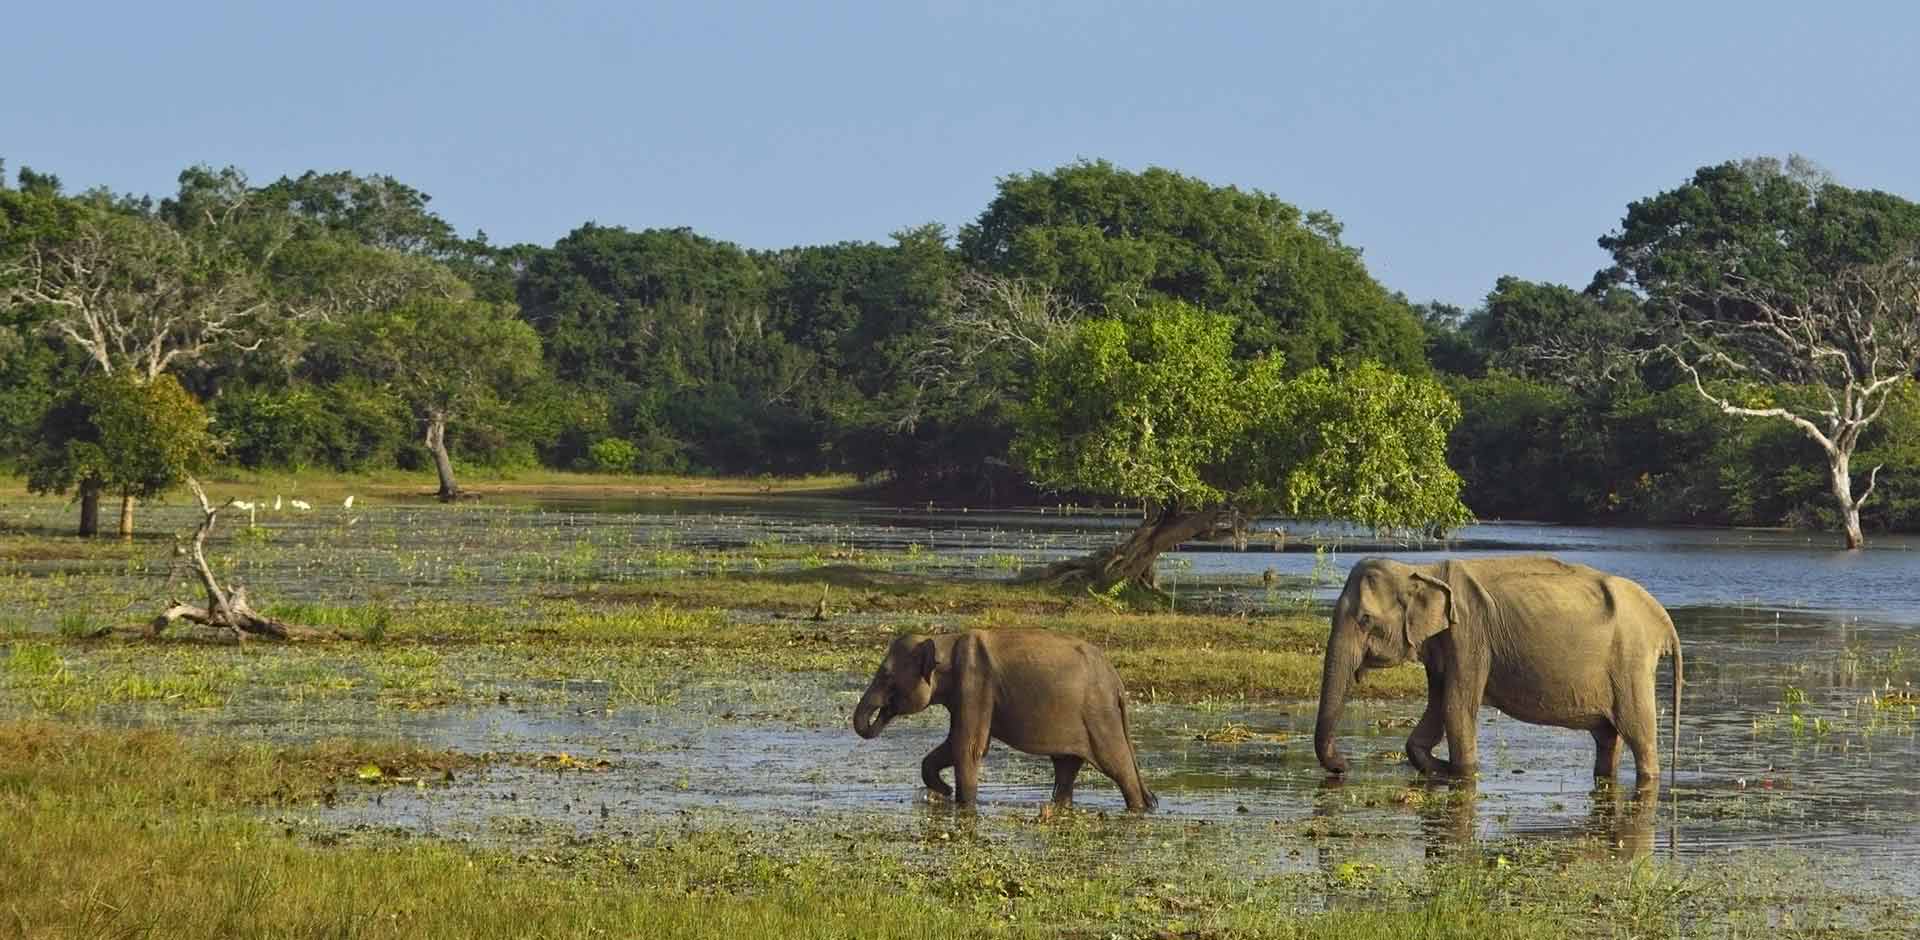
x=116, y=833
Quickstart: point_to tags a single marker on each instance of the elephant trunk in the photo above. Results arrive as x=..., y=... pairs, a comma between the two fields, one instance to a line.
x=872, y=705
x=1341, y=666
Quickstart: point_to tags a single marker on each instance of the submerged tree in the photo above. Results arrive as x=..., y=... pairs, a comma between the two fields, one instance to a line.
x=449, y=360
x=1152, y=407
x=1850, y=341
x=1801, y=291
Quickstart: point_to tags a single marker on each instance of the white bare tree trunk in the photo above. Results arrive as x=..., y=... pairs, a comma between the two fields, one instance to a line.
x=1838, y=468
x=1853, y=340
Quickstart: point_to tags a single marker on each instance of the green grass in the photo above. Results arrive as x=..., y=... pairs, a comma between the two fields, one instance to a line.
x=148, y=770
x=109, y=832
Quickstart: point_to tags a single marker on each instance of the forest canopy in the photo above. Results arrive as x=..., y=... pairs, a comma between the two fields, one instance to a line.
x=295, y=314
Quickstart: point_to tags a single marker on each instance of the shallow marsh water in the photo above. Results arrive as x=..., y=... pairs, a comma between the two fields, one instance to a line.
x=1798, y=728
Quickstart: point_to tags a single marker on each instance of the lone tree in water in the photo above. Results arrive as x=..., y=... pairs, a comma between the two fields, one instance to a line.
x=1799, y=295
x=1826, y=359
x=1152, y=407
x=449, y=360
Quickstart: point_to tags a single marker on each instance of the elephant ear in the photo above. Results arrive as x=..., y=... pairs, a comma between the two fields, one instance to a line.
x=1430, y=609
x=926, y=658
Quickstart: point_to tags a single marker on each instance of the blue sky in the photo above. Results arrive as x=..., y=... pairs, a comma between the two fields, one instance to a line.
x=1456, y=145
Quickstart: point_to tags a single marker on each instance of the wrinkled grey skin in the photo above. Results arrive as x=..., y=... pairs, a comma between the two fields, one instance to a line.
x=1037, y=692
x=1544, y=641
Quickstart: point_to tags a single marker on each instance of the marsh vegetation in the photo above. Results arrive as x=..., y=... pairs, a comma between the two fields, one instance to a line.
x=629, y=715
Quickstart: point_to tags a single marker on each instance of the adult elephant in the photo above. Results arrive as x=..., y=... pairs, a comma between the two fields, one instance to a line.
x=1543, y=641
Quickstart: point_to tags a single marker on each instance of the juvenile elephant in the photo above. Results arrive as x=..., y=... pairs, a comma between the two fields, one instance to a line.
x=1544, y=641
x=1038, y=692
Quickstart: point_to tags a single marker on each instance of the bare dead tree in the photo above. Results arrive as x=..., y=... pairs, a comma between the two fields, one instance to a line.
x=1580, y=362
x=1850, y=340
x=224, y=610
x=985, y=316
x=137, y=294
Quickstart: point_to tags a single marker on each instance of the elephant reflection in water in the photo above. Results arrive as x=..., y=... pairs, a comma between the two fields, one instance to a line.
x=1620, y=823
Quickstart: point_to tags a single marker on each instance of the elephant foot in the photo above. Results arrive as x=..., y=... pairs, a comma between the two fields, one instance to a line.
x=1423, y=760
x=1460, y=771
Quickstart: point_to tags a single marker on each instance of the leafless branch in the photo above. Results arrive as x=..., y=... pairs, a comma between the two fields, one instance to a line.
x=986, y=315
x=1854, y=338
x=137, y=294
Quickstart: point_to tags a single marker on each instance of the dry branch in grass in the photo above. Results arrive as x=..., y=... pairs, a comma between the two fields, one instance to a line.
x=224, y=610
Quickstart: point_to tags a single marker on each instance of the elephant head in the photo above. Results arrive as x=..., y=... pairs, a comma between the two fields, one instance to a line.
x=903, y=684
x=1385, y=613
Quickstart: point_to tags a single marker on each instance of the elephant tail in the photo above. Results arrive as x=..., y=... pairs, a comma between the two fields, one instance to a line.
x=1679, y=672
x=1126, y=728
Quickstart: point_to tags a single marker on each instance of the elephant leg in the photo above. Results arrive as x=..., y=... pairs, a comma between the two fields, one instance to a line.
x=1066, y=769
x=1427, y=732
x=1637, y=722
x=969, y=746
x=1113, y=754
x=1606, y=752
x=937, y=760
x=1460, y=712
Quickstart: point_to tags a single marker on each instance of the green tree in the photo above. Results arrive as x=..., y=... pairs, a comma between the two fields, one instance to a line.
x=149, y=292
x=373, y=210
x=1152, y=407
x=34, y=362
x=1099, y=235
x=1551, y=332
x=1763, y=223
x=1450, y=347
x=678, y=330
x=1510, y=448
x=116, y=433
x=449, y=360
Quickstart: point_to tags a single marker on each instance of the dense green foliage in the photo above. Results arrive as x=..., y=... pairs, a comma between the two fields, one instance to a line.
x=1147, y=407
x=912, y=360
x=1152, y=406
x=1775, y=223
x=1099, y=234
x=123, y=436
x=1559, y=425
